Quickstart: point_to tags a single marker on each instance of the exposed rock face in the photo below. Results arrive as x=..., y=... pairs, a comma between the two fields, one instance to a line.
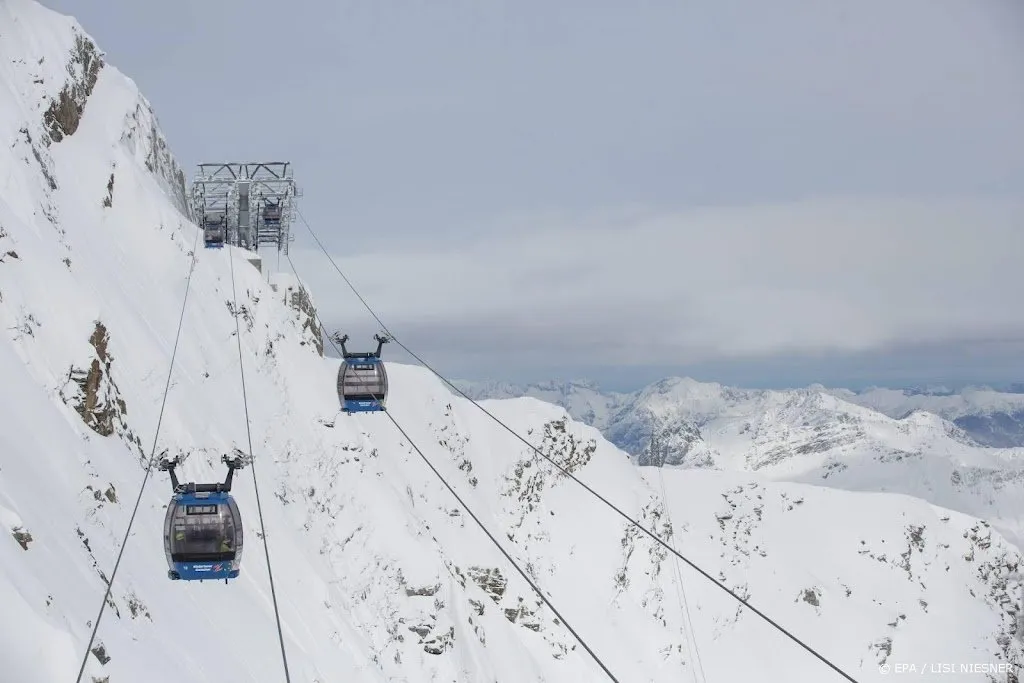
x=108, y=201
x=529, y=478
x=440, y=642
x=423, y=591
x=301, y=302
x=64, y=113
x=22, y=537
x=100, y=652
x=490, y=580
x=680, y=443
x=94, y=394
x=143, y=137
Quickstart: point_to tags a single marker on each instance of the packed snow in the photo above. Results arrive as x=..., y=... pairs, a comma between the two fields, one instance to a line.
x=380, y=576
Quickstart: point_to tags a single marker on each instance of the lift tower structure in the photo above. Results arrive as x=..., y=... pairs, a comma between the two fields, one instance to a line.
x=254, y=203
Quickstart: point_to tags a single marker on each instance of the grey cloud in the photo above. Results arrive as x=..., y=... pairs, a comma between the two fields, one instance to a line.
x=431, y=119
x=703, y=287
x=460, y=158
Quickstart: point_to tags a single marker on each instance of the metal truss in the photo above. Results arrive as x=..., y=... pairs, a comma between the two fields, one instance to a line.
x=256, y=201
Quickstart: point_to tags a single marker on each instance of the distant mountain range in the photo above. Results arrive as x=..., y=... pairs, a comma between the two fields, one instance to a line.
x=961, y=450
x=989, y=417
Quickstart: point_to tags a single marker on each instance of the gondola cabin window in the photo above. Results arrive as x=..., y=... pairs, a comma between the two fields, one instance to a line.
x=203, y=532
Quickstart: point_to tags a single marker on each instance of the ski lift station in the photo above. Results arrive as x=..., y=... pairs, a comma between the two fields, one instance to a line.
x=247, y=205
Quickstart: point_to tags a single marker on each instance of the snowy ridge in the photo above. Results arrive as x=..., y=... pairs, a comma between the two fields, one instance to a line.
x=993, y=418
x=380, y=576
x=967, y=401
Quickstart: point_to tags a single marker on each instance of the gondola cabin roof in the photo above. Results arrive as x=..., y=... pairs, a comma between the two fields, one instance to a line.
x=200, y=497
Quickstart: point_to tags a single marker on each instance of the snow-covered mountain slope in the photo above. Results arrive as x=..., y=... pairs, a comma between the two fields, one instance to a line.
x=378, y=573
x=992, y=418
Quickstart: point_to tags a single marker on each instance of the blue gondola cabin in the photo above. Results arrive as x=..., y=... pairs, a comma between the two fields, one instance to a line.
x=362, y=379
x=203, y=528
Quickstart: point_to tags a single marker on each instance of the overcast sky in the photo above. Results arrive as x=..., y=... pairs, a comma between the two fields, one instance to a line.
x=764, y=194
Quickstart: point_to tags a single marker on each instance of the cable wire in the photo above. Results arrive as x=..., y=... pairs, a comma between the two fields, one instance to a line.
x=688, y=633
x=824, y=660
x=465, y=506
x=252, y=464
x=149, y=465
x=504, y=552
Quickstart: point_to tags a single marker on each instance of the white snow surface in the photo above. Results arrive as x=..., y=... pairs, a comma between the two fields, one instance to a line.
x=379, y=574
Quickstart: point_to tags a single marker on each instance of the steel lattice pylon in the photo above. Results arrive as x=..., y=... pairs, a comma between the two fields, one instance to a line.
x=256, y=202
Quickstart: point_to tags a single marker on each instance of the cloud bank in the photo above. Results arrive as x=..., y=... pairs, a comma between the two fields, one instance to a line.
x=638, y=287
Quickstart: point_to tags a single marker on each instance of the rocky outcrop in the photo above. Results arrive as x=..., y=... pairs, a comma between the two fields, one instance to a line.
x=524, y=615
x=530, y=477
x=94, y=394
x=62, y=117
x=303, y=303
x=490, y=581
x=297, y=297
x=100, y=652
x=142, y=136
x=679, y=444
x=21, y=536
